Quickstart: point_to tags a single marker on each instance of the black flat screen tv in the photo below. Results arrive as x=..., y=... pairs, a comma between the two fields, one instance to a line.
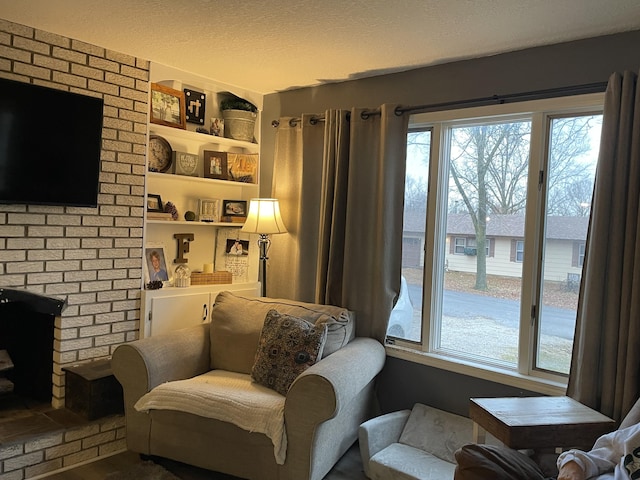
x=50, y=143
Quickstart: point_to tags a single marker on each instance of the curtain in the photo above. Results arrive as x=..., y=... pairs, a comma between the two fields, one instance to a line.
x=342, y=193
x=605, y=367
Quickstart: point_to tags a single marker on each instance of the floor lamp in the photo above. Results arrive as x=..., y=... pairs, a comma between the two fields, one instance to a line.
x=264, y=219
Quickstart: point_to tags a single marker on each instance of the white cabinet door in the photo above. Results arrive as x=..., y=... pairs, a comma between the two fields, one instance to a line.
x=177, y=311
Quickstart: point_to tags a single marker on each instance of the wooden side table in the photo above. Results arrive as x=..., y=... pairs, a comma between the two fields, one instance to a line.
x=538, y=422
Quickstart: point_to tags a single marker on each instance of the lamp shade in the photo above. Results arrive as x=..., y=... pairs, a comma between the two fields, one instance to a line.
x=264, y=217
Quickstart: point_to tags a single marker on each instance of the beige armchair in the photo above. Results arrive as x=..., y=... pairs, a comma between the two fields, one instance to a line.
x=322, y=410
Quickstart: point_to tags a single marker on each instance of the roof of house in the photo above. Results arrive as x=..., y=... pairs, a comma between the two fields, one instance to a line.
x=558, y=228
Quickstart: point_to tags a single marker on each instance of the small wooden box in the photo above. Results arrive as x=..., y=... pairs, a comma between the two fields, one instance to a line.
x=214, y=278
x=92, y=391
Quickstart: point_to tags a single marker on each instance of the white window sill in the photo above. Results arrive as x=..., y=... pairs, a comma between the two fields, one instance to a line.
x=506, y=377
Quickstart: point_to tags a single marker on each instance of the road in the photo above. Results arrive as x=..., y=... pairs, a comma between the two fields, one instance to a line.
x=558, y=322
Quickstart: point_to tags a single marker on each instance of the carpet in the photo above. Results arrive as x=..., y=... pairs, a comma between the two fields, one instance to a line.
x=143, y=471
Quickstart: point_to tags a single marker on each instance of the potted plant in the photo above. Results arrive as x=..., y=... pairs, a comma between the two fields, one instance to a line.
x=239, y=118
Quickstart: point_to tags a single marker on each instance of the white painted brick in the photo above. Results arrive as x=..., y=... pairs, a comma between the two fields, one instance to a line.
x=121, y=80
x=103, y=87
x=81, y=298
x=45, y=255
x=114, y=189
x=12, y=280
x=75, y=344
x=32, y=71
x=15, y=54
x=80, y=254
x=96, y=242
x=124, y=326
x=23, y=461
x=88, y=72
x=66, y=334
x=76, y=322
x=25, y=243
x=12, y=231
x=69, y=79
x=96, y=264
x=11, y=451
x=114, y=232
x=83, y=276
x=96, y=286
x=51, y=63
x=120, y=57
x=44, y=278
x=120, y=444
x=101, y=221
x=123, y=284
x=62, y=265
x=111, y=275
x=94, y=309
x=90, y=353
x=52, y=39
x=103, y=64
x=64, y=219
x=24, y=267
x=16, y=28
x=63, y=243
x=82, y=232
x=64, y=449
x=65, y=357
x=87, y=48
x=136, y=95
x=43, y=442
x=113, y=253
x=37, y=231
x=79, y=457
x=32, y=45
x=116, y=146
x=114, y=101
x=26, y=219
x=15, y=475
x=113, y=339
x=12, y=255
x=62, y=288
x=94, y=331
x=110, y=317
x=72, y=56
x=42, y=468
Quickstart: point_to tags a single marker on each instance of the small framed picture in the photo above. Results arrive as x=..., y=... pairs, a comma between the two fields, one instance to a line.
x=209, y=210
x=237, y=247
x=217, y=127
x=234, y=208
x=242, y=167
x=155, y=264
x=167, y=106
x=194, y=106
x=154, y=203
x=215, y=164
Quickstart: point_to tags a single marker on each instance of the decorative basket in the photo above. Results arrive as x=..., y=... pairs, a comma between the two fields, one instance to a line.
x=198, y=278
x=239, y=124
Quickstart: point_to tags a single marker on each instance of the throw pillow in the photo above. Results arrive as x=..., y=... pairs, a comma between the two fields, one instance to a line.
x=288, y=345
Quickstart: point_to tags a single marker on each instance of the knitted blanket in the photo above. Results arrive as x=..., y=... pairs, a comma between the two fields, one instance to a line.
x=226, y=396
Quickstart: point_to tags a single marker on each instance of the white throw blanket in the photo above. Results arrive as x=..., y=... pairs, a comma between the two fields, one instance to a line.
x=227, y=396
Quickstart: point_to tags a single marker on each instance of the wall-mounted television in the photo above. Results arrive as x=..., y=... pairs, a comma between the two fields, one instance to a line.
x=50, y=143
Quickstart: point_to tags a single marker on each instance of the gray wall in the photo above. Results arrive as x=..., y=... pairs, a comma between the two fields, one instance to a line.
x=574, y=63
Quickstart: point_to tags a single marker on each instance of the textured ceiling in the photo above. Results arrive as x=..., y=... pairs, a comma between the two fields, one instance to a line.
x=272, y=45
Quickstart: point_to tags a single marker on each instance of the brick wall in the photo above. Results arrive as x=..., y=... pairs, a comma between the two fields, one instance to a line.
x=91, y=256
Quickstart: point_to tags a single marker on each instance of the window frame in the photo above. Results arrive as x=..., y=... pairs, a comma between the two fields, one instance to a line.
x=539, y=113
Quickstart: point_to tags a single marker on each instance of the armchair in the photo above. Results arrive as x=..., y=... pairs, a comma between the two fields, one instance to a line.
x=321, y=411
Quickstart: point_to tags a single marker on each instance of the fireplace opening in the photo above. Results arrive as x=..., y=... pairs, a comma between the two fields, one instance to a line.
x=27, y=323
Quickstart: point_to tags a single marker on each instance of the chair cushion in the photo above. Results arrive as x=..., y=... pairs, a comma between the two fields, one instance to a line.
x=491, y=462
x=438, y=432
x=402, y=462
x=288, y=346
x=236, y=325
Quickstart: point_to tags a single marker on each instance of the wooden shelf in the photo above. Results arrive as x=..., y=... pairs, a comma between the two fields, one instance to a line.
x=199, y=224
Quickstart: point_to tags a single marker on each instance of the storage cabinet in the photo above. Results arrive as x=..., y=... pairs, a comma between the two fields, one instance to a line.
x=174, y=307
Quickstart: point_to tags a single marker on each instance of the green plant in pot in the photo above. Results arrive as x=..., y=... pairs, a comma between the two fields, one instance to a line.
x=239, y=118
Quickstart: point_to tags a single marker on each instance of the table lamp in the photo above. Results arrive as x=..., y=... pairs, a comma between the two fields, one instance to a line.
x=264, y=219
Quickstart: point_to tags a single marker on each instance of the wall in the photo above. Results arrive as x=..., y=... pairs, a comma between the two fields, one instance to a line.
x=574, y=63
x=91, y=256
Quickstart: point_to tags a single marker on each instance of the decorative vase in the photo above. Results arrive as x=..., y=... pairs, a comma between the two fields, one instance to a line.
x=239, y=124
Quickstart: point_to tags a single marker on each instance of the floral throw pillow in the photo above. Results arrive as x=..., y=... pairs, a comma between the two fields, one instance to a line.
x=288, y=346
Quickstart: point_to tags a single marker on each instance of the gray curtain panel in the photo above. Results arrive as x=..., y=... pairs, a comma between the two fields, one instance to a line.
x=341, y=187
x=605, y=367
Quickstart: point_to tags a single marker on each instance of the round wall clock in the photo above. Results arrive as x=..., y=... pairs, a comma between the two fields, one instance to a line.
x=160, y=154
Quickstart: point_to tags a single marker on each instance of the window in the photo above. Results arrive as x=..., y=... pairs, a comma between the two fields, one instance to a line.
x=504, y=196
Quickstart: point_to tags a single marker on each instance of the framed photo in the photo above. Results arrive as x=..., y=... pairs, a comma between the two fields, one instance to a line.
x=215, y=164
x=234, y=208
x=217, y=127
x=167, y=106
x=237, y=247
x=209, y=210
x=194, y=106
x=242, y=167
x=155, y=261
x=154, y=203
x=187, y=164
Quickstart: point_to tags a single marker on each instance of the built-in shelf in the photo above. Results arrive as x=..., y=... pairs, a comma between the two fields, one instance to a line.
x=188, y=136
x=202, y=224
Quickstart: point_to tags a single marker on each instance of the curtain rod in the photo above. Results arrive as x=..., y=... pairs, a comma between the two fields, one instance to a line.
x=477, y=102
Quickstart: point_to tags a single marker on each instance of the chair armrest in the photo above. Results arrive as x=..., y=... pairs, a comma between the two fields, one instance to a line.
x=378, y=433
x=322, y=390
x=143, y=364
